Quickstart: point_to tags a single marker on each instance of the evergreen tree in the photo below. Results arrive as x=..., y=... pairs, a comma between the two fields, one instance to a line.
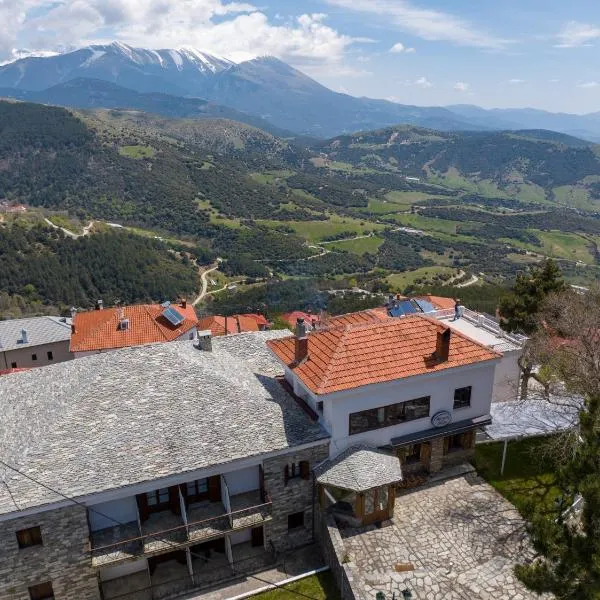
x=519, y=309
x=569, y=541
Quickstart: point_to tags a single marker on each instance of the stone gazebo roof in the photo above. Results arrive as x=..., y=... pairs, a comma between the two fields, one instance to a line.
x=360, y=468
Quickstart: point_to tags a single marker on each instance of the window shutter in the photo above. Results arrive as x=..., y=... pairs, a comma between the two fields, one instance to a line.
x=304, y=469
x=286, y=473
x=142, y=502
x=214, y=488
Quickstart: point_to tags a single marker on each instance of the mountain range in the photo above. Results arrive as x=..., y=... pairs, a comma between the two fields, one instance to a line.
x=264, y=92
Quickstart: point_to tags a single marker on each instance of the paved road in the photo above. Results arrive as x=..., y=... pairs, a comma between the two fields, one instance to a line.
x=474, y=279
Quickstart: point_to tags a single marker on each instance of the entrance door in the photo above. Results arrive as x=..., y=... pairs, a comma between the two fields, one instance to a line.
x=376, y=505
x=258, y=537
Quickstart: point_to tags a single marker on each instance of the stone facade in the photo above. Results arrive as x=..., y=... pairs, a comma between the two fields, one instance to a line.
x=62, y=558
x=292, y=497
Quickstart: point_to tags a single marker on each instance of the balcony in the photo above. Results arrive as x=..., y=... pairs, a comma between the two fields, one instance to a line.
x=164, y=531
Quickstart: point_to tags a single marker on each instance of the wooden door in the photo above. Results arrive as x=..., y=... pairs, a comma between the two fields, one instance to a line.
x=426, y=454
x=376, y=505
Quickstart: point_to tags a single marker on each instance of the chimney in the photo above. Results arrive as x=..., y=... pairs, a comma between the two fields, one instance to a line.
x=72, y=327
x=442, y=346
x=99, y=304
x=123, y=324
x=204, y=340
x=300, y=342
x=183, y=303
x=73, y=312
x=24, y=338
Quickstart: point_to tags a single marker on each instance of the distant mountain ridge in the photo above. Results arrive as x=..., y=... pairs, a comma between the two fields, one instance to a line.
x=264, y=87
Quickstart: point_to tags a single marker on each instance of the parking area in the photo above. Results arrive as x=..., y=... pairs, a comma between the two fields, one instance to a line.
x=455, y=540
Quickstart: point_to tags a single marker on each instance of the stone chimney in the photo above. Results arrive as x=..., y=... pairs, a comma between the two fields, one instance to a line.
x=204, y=340
x=24, y=338
x=183, y=303
x=99, y=304
x=300, y=342
x=442, y=345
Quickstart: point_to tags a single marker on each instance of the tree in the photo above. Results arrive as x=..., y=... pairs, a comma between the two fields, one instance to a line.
x=567, y=346
x=520, y=307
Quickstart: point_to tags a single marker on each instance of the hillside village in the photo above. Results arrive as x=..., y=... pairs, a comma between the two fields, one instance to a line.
x=158, y=453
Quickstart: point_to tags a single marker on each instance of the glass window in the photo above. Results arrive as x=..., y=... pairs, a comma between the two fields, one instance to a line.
x=462, y=397
x=13, y=365
x=41, y=591
x=296, y=520
x=34, y=357
x=50, y=355
x=382, y=498
x=29, y=537
x=163, y=495
x=369, y=502
x=413, y=454
x=386, y=416
x=151, y=497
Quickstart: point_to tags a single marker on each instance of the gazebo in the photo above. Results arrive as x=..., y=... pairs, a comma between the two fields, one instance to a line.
x=358, y=485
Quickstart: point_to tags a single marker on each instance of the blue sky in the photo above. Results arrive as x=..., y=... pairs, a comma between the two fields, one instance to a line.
x=494, y=53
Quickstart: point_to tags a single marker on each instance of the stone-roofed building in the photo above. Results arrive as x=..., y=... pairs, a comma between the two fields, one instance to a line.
x=34, y=342
x=107, y=329
x=171, y=452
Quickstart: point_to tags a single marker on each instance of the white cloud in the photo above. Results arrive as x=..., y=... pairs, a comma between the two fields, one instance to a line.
x=461, y=86
x=586, y=85
x=575, y=34
x=429, y=24
x=553, y=80
x=13, y=14
x=400, y=47
x=516, y=81
x=231, y=29
x=421, y=82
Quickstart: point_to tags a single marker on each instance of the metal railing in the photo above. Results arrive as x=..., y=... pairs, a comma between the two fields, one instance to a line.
x=484, y=322
x=221, y=524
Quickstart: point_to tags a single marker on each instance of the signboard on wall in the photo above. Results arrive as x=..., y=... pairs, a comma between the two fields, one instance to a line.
x=441, y=418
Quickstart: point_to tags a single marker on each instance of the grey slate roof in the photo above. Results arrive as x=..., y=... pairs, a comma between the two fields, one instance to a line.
x=360, y=468
x=137, y=414
x=40, y=330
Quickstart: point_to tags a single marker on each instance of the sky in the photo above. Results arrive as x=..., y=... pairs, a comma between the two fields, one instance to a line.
x=508, y=53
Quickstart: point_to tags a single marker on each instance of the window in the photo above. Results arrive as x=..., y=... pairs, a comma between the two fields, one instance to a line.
x=320, y=406
x=196, y=490
x=13, y=365
x=29, y=537
x=413, y=454
x=50, y=355
x=386, y=416
x=296, y=520
x=41, y=591
x=297, y=469
x=462, y=397
x=158, y=498
x=454, y=443
x=34, y=357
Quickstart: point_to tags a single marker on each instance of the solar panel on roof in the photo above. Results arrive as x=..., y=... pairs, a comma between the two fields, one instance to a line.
x=425, y=306
x=408, y=307
x=396, y=311
x=173, y=316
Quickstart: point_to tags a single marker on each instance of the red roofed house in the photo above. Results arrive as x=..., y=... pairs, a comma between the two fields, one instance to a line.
x=412, y=384
x=106, y=329
x=310, y=319
x=234, y=324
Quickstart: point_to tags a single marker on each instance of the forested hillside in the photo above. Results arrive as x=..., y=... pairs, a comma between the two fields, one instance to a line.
x=39, y=263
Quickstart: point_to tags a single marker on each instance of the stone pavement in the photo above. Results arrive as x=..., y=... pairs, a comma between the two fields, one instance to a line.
x=462, y=537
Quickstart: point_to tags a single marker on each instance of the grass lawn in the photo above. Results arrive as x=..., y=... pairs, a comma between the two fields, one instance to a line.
x=136, y=151
x=359, y=246
x=321, y=587
x=408, y=197
x=573, y=195
x=399, y=281
x=382, y=207
x=557, y=244
x=528, y=478
x=426, y=223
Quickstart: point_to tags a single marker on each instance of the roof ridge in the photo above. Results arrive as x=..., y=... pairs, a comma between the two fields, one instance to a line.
x=330, y=365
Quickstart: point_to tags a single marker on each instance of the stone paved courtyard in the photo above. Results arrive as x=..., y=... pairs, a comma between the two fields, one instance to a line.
x=462, y=537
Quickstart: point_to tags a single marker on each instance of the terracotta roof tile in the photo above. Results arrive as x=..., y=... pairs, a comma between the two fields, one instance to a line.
x=98, y=329
x=347, y=356
x=235, y=323
x=439, y=302
x=292, y=317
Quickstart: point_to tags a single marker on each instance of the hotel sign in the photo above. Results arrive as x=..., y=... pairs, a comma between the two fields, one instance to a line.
x=441, y=419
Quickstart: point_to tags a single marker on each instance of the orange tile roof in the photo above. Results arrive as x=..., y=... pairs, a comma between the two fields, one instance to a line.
x=235, y=323
x=357, y=318
x=439, y=302
x=292, y=317
x=98, y=329
x=346, y=357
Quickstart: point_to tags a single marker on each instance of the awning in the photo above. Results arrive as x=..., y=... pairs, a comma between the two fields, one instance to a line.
x=360, y=468
x=431, y=434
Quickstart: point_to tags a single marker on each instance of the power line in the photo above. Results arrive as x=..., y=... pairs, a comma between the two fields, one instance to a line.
x=154, y=535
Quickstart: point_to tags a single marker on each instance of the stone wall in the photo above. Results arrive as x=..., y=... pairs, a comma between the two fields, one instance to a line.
x=333, y=548
x=292, y=497
x=437, y=455
x=62, y=559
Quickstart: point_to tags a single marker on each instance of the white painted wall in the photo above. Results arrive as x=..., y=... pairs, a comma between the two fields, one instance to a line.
x=440, y=386
x=123, y=511
x=506, y=379
x=127, y=568
x=244, y=480
x=239, y=537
